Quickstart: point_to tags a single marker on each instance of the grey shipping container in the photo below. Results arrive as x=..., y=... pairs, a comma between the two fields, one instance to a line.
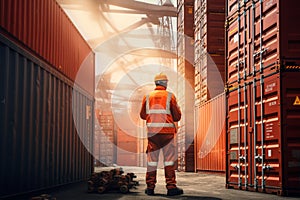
x=41, y=144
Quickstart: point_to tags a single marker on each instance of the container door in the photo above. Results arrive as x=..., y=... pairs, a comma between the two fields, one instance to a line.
x=265, y=136
x=253, y=149
x=237, y=134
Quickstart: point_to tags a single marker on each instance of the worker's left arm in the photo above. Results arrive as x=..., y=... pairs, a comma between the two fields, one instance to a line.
x=175, y=110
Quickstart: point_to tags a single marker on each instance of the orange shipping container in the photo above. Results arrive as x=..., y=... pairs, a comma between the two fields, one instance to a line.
x=131, y=148
x=210, y=137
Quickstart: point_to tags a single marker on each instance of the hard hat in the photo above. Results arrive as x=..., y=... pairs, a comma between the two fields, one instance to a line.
x=161, y=77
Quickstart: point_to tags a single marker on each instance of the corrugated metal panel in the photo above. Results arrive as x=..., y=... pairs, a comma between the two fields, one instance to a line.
x=290, y=32
x=185, y=68
x=260, y=145
x=131, y=148
x=209, y=49
x=41, y=146
x=260, y=36
x=209, y=77
x=210, y=135
x=105, y=138
x=290, y=97
x=263, y=147
x=44, y=28
x=233, y=6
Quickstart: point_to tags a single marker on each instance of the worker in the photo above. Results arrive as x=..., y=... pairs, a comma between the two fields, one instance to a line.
x=161, y=112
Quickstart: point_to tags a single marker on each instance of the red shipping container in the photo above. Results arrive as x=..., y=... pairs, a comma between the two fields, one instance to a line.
x=185, y=68
x=263, y=134
x=261, y=37
x=209, y=49
x=44, y=29
x=233, y=6
x=263, y=107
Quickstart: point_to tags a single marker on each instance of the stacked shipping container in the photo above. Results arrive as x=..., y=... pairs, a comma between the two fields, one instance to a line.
x=186, y=70
x=263, y=107
x=42, y=145
x=105, y=139
x=209, y=49
x=209, y=62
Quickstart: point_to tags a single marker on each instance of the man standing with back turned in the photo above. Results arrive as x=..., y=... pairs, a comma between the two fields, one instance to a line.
x=160, y=110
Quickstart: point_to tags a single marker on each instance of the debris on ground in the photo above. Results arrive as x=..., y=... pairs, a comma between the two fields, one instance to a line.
x=111, y=180
x=43, y=197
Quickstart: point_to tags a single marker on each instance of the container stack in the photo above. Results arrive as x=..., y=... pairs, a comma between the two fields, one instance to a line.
x=209, y=49
x=263, y=91
x=104, y=142
x=185, y=96
x=209, y=63
x=46, y=119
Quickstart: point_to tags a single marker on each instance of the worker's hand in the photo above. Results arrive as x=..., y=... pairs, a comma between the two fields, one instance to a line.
x=176, y=126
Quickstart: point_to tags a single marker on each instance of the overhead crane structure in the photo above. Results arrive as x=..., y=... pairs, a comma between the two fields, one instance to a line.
x=155, y=14
x=158, y=15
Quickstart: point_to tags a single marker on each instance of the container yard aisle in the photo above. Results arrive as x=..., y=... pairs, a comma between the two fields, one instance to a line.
x=73, y=75
x=206, y=186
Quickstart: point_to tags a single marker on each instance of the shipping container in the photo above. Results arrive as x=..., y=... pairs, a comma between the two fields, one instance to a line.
x=43, y=28
x=261, y=37
x=211, y=135
x=128, y=143
x=45, y=124
x=105, y=138
x=132, y=146
x=235, y=6
x=263, y=134
x=263, y=109
x=185, y=84
x=209, y=48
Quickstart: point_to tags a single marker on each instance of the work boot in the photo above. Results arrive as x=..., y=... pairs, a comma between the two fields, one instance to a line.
x=174, y=191
x=149, y=192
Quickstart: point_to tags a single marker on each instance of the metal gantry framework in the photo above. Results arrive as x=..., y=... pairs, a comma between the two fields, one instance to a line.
x=159, y=15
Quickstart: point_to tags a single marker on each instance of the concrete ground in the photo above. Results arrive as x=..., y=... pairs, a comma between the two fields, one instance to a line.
x=203, y=186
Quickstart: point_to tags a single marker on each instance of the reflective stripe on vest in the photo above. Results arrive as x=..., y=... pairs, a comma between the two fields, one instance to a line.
x=156, y=125
x=159, y=111
x=153, y=164
x=169, y=163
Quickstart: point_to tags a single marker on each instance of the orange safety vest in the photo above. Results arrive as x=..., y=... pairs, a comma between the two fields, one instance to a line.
x=158, y=114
